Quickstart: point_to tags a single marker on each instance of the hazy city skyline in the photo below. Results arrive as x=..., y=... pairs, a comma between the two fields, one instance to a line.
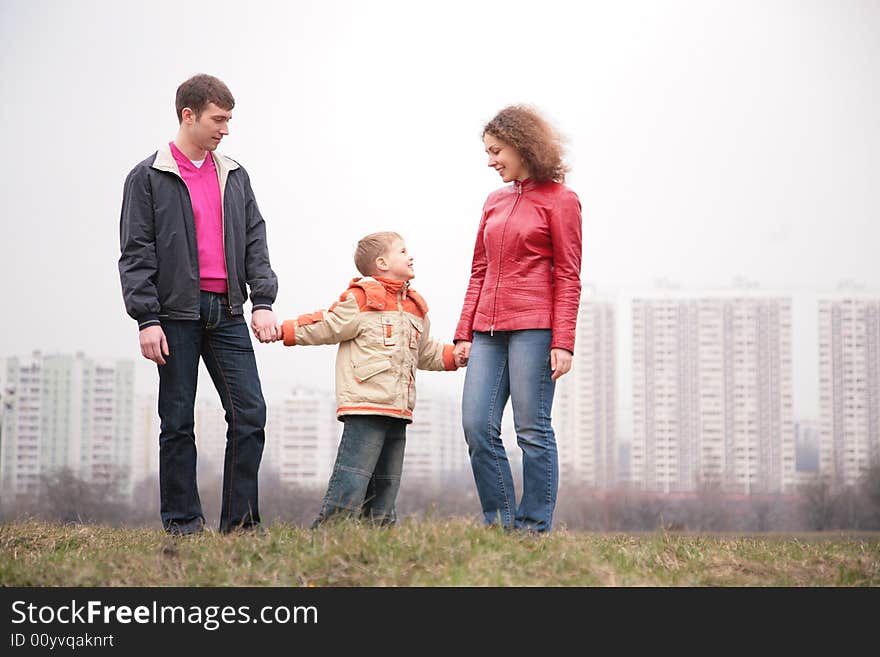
x=712, y=402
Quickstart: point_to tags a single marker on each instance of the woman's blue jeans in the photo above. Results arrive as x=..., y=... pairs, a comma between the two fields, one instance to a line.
x=515, y=365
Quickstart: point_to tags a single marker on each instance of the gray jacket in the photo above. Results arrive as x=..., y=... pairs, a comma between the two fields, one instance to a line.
x=159, y=265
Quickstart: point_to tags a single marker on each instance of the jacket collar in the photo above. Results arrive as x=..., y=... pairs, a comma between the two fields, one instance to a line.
x=376, y=287
x=525, y=185
x=391, y=285
x=164, y=161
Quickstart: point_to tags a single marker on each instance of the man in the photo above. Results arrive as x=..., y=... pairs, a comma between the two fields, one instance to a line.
x=191, y=238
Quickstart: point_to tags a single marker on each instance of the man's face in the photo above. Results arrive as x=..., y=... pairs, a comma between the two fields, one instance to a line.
x=206, y=131
x=399, y=262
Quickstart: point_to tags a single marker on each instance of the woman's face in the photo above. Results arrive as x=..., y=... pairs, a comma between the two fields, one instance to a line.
x=505, y=159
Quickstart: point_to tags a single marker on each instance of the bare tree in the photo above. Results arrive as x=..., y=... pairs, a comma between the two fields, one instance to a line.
x=817, y=505
x=870, y=485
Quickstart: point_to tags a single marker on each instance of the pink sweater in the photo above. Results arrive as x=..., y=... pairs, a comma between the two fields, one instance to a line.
x=204, y=192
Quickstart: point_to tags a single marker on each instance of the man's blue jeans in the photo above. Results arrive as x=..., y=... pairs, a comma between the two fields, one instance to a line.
x=222, y=340
x=366, y=476
x=515, y=365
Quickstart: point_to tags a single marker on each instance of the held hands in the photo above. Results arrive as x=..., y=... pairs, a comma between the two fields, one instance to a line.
x=265, y=326
x=154, y=344
x=461, y=353
x=560, y=362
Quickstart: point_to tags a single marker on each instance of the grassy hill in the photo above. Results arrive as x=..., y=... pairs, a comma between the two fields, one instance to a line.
x=430, y=553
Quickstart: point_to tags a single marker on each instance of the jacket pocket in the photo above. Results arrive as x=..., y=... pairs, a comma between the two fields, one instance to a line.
x=370, y=368
x=415, y=334
x=388, y=330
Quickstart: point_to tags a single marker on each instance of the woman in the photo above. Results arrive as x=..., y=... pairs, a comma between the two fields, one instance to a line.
x=517, y=327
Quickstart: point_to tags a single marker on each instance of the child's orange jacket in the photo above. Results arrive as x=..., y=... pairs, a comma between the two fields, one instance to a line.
x=382, y=328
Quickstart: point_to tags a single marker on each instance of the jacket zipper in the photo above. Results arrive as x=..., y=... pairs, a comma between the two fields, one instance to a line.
x=223, y=231
x=501, y=255
x=400, y=317
x=186, y=189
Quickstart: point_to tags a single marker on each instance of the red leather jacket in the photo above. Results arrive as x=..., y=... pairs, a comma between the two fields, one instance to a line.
x=527, y=263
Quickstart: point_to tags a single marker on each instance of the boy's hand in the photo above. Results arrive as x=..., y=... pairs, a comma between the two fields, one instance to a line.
x=461, y=353
x=265, y=326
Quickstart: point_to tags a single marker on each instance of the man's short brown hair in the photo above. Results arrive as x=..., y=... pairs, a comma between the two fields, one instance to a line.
x=200, y=90
x=371, y=247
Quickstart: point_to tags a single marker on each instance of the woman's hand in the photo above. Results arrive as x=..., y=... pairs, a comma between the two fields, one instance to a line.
x=560, y=362
x=461, y=353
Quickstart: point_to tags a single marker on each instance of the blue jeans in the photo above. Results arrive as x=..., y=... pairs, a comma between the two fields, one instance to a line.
x=366, y=476
x=516, y=365
x=222, y=340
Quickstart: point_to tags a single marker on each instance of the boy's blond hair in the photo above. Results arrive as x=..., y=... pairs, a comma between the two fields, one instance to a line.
x=371, y=247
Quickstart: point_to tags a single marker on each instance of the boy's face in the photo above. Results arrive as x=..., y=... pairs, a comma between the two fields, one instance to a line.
x=396, y=263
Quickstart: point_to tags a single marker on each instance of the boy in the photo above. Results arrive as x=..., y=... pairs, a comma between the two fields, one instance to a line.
x=382, y=328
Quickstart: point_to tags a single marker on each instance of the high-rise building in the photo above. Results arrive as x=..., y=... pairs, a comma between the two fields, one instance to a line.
x=67, y=411
x=849, y=386
x=623, y=462
x=145, y=440
x=584, y=417
x=302, y=434
x=210, y=431
x=435, y=447
x=712, y=393
x=103, y=448
x=20, y=445
x=806, y=445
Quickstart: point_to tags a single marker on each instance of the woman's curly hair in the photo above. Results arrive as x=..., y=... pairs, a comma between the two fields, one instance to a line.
x=539, y=145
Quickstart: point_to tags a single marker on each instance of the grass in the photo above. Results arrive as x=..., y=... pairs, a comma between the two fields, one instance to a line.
x=427, y=553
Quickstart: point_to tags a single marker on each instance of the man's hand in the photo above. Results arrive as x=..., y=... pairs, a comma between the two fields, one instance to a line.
x=461, y=353
x=560, y=362
x=265, y=325
x=154, y=344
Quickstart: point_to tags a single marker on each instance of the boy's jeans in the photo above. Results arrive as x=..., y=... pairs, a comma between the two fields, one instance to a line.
x=222, y=340
x=366, y=476
x=513, y=364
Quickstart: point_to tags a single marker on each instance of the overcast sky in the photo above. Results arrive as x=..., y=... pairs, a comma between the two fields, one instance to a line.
x=708, y=140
